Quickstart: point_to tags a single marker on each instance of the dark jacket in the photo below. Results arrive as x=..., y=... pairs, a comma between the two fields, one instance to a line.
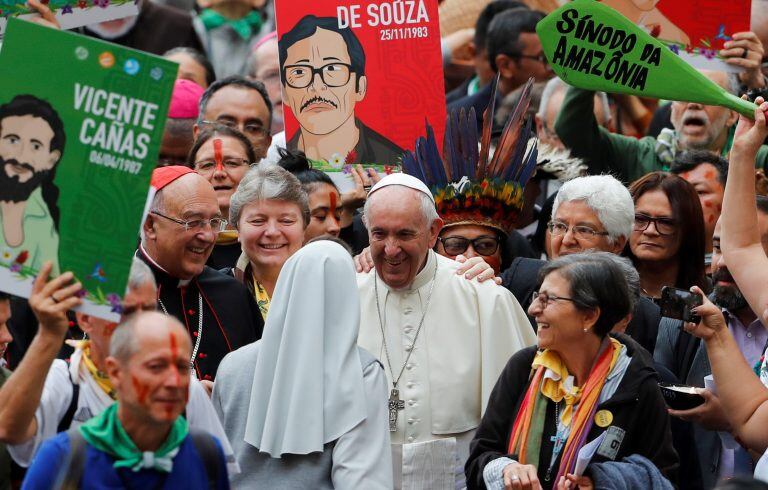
x=157, y=30
x=686, y=357
x=371, y=148
x=479, y=100
x=637, y=407
x=522, y=278
x=231, y=318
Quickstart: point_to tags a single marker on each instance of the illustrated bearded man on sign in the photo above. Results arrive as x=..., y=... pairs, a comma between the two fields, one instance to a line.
x=323, y=70
x=31, y=144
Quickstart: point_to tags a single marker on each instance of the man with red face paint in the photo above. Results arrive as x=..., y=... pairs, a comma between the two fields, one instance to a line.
x=706, y=172
x=142, y=441
x=47, y=395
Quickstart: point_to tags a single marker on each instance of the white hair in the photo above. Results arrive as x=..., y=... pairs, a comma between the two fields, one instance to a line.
x=554, y=86
x=140, y=274
x=607, y=197
x=428, y=210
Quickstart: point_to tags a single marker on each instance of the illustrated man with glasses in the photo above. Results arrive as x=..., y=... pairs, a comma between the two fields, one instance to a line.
x=323, y=73
x=593, y=213
x=177, y=239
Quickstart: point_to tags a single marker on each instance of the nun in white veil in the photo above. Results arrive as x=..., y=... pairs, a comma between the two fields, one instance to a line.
x=305, y=407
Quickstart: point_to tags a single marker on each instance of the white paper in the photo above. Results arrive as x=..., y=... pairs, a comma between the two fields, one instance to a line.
x=586, y=453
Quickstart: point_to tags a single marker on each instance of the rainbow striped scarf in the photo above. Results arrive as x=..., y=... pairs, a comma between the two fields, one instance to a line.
x=525, y=440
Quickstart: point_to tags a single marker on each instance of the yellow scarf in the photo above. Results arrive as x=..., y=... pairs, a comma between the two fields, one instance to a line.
x=556, y=390
x=262, y=297
x=100, y=377
x=226, y=237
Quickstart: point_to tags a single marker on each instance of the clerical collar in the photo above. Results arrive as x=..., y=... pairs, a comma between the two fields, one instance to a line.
x=423, y=277
x=182, y=282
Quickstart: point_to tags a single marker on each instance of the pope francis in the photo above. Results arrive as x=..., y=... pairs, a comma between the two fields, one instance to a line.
x=443, y=339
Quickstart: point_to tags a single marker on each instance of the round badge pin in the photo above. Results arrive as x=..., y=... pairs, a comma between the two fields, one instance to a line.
x=603, y=418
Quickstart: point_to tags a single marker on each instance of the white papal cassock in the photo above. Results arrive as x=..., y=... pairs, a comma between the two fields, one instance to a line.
x=470, y=331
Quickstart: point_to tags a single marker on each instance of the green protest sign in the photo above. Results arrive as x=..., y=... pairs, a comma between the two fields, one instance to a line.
x=81, y=123
x=592, y=46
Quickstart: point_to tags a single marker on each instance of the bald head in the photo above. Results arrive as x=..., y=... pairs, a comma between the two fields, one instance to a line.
x=147, y=327
x=180, y=249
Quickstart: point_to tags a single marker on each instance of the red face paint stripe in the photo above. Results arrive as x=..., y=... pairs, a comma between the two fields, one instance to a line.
x=217, y=153
x=334, y=204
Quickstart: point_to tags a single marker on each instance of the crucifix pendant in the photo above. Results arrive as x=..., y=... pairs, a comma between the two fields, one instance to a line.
x=395, y=404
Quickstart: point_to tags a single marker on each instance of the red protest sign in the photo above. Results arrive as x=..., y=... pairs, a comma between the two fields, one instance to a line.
x=359, y=77
x=693, y=29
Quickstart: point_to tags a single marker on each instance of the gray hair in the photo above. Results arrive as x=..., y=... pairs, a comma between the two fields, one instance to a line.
x=556, y=85
x=427, y=205
x=607, y=197
x=596, y=280
x=264, y=183
x=140, y=274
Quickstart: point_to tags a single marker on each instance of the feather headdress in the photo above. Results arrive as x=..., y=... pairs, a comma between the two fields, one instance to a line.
x=470, y=186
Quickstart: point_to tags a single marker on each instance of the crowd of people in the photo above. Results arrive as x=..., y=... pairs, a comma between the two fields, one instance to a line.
x=492, y=317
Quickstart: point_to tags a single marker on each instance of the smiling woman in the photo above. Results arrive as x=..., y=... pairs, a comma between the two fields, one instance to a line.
x=270, y=211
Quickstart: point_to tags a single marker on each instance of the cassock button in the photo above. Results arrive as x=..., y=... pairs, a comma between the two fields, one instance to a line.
x=411, y=421
x=194, y=334
x=408, y=329
x=410, y=384
x=411, y=402
x=190, y=312
x=408, y=348
x=409, y=366
x=202, y=355
x=410, y=439
x=408, y=310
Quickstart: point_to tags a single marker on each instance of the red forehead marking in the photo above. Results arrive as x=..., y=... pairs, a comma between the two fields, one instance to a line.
x=709, y=174
x=217, y=153
x=333, y=199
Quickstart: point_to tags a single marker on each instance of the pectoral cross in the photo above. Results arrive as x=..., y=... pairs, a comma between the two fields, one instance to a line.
x=395, y=404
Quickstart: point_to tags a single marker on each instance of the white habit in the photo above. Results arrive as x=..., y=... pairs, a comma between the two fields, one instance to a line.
x=469, y=333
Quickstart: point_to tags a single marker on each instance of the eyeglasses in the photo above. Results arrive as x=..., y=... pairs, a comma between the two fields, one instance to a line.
x=206, y=167
x=582, y=232
x=217, y=224
x=302, y=76
x=483, y=245
x=541, y=58
x=546, y=298
x=664, y=226
x=255, y=132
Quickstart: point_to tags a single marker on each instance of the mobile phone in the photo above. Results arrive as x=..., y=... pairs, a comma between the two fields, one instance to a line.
x=679, y=303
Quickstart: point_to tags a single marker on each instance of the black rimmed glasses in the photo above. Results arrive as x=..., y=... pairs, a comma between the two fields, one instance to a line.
x=546, y=298
x=483, y=245
x=301, y=76
x=664, y=226
x=217, y=224
x=207, y=167
x=583, y=232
